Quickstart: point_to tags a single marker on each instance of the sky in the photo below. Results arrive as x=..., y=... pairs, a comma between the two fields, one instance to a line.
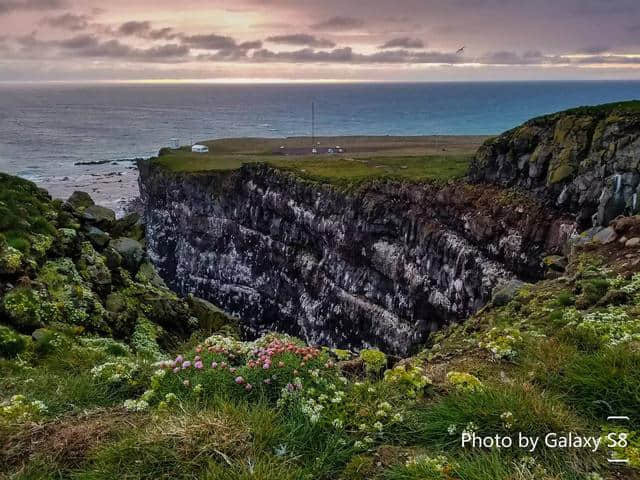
x=319, y=40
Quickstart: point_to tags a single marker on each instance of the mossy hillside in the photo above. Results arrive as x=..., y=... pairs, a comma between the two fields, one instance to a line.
x=66, y=277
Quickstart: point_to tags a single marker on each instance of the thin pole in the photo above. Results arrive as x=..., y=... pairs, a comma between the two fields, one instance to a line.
x=313, y=123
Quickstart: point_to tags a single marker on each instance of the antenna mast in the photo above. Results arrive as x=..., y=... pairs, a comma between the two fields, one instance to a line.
x=313, y=123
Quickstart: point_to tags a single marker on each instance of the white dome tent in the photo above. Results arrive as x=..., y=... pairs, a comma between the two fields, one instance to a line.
x=200, y=149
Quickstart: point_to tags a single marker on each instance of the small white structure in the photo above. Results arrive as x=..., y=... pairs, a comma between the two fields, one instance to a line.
x=175, y=143
x=314, y=150
x=200, y=149
x=330, y=150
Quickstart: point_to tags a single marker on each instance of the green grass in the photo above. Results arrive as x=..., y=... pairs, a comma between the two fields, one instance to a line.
x=366, y=158
x=355, y=171
x=339, y=170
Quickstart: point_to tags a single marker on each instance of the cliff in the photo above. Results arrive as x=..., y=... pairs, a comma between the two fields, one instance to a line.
x=584, y=161
x=383, y=264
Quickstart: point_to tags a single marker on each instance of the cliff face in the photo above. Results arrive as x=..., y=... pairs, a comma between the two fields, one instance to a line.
x=584, y=161
x=381, y=265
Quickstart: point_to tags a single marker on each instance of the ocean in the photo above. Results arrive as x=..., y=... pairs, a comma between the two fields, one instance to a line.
x=47, y=129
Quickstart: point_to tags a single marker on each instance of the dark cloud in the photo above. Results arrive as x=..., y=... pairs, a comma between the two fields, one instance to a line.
x=134, y=28
x=8, y=6
x=210, y=41
x=143, y=29
x=68, y=21
x=91, y=46
x=302, y=39
x=594, y=49
x=79, y=42
x=403, y=42
x=214, y=41
x=347, y=55
x=338, y=23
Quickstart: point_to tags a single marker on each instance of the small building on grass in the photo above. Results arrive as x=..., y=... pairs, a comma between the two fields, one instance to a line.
x=200, y=149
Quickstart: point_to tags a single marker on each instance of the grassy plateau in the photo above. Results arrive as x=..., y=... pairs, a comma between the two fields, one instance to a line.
x=364, y=158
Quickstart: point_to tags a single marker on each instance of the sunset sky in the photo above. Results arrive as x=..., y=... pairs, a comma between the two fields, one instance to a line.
x=333, y=40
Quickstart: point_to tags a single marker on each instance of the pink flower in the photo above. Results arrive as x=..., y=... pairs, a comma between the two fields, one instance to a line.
x=179, y=359
x=198, y=364
x=239, y=380
x=266, y=366
x=248, y=387
x=176, y=370
x=233, y=369
x=197, y=359
x=186, y=364
x=214, y=364
x=223, y=364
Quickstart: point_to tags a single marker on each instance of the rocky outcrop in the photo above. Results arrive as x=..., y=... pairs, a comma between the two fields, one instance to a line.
x=381, y=265
x=58, y=270
x=584, y=161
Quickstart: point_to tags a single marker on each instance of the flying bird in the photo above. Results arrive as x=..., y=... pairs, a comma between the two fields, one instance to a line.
x=460, y=50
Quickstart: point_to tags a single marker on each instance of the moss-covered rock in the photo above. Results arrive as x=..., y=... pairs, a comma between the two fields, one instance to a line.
x=210, y=317
x=131, y=251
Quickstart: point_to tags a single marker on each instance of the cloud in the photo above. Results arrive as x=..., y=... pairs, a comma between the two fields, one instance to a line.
x=302, y=39
x=8, y=6
x=338, y=23
x=214, y=41
x=594, y=50
x=210, y=41
x=143, y=29
x=92, y=46
x=347, y=55
x=403, y=42
x=68, y=21
x=134, y=28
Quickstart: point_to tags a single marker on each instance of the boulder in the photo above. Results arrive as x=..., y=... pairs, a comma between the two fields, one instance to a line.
x=130, y=250
x=632, y=242
x=505, y=292
x=210, y=318
x=129, y=226
x=80, y=201
x=148, y=274
x=555, y=262
x=98, y=238
x=605, y=236
x=100, y=216
x=112, y=258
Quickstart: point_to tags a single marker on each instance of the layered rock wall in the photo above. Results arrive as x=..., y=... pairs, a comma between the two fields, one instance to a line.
x=381, y=265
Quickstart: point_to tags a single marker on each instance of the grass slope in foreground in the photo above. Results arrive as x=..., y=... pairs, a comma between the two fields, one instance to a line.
x=366, y=158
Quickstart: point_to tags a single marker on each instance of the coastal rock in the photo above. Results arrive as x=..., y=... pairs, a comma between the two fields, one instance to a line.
x=98, y=237
x=583, y=160
x=101, y=216
x=130, y=250
x=80, y=201
x=504, y=293
x=605, y=236
x=382, y=265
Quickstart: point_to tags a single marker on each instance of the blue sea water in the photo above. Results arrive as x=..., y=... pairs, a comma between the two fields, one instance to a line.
x=46, y=129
